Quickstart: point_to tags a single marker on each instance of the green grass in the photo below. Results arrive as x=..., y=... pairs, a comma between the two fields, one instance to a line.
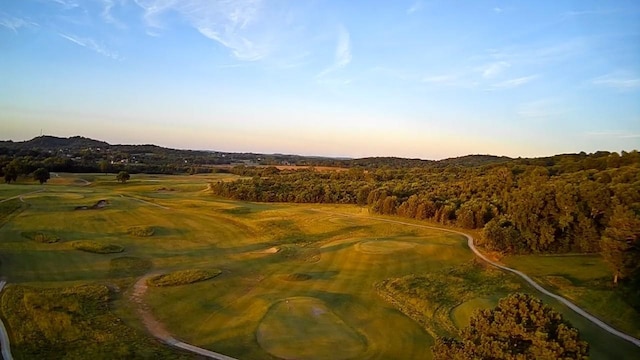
x=314, y=331
x=182, y=277
x=267, y=253
x=461, y=314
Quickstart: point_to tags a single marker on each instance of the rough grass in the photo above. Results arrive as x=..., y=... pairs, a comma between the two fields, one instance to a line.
x=41, y=237
x=429, y=298
x=97, y=248
x=182, y=277
x=72, y=323
x=141, y=231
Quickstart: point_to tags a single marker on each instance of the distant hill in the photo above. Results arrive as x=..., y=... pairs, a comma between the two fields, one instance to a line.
x=86, y=153
x=473, y=160
x=47, y=142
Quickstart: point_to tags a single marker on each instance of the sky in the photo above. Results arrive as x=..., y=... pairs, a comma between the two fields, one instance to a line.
x=416, y=78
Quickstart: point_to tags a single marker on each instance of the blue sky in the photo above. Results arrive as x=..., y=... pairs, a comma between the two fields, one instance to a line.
x=426, y=79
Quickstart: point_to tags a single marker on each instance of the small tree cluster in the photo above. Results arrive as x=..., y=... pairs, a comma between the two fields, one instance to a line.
x=520, y=327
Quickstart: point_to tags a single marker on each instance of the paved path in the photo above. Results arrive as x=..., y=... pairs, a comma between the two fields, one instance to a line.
x=4, y=337
x=537, y=286
x=157, y=329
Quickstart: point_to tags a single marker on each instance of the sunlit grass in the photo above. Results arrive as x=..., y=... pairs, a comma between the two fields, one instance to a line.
x=267, y=253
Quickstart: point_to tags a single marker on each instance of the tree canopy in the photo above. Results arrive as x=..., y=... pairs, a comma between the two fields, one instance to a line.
x=520, y=327
x=123, y=176
x=41, y=175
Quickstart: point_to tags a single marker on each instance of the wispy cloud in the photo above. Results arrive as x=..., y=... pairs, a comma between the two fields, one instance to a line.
x=513, y=83
x=67, y=4
x=343, y=52
x=618, y=80
x=540, y=54
x=498, y=10
x=107, y=14
x=597, y=12
x=227, y=22
x=14, y=23
x=493, y=69
x=415, y=7
x=91, y=45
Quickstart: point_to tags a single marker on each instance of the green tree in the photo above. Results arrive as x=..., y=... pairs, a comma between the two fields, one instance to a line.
x=10, y=173
x=520, y=327
x=42, y=175
x=104, y=166
x=621, y=243
x=123, y=176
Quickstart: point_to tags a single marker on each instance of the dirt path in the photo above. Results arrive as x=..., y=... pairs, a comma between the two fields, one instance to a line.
x=4, y=337
x=537, y=286
x=21, y=195
x=158, y=330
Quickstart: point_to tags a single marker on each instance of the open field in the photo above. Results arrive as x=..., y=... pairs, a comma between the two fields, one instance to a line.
x=295, y=279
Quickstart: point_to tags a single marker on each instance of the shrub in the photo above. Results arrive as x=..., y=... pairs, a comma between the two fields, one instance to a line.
x=41, y=237
x=182, y=277
x=141, y=231
x=94, y=247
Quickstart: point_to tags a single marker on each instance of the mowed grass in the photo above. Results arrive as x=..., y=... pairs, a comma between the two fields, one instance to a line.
x=267, y=254
x=306, y=328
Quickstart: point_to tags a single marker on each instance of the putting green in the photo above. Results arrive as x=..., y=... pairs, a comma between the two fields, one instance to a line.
x=383, y=246
x=305, y=328
x=461, y=314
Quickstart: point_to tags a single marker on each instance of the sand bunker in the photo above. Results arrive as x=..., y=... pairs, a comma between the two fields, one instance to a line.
x=305, y=328
x=271, y=250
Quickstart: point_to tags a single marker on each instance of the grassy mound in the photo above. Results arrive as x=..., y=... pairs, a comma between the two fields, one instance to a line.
x=430, y=298
x=240, y=210
x=305, y=328
x=141, y=231
x=41, y=237
x=182, y=277
x=297, y=277
x=73, y=323
x=127, y=266
x=94, y=247
x=383, y=246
